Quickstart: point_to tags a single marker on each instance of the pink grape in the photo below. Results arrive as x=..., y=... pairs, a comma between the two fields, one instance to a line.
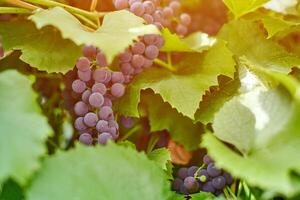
x=78, y=86
x=90, y=51
x=181, y=29
x=185, y=19
x=151, y=51
x=117, y=77
x=130, y=2
x=104, y=137
x=102, y=126
x=99, y=87
x=175, y=5
x=150, y=39
x=137, y=61
x=79, y=124
x=96, y=100
x=83, y=64
x=80, y=108
x=149, y=7
x=126, y=68
x=137, y=8
x=117, y=90
x=107, y=102
x=106, y=113
x=121, y=4
x=85, y=96
x=101, y=60
x=138, y=48
x=160, y=41
x=157, y=16
x=148, y=18
x=90, y=119
x=125, y=57
x=84, y=75
x=101, y=75
x=167, y=12
x=86, y=138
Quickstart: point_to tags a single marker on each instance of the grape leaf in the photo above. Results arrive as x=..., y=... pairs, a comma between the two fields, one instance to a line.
x=240, y=8
x=116, y=33
x=283, y=6
x=108, y=172
x=160, y=156
x=195, y=75
x=11, y=191
x=265, y=53
x=196, y=42
x=43, y=49
x=259, y=167
x=162, y=117
x=23, y=129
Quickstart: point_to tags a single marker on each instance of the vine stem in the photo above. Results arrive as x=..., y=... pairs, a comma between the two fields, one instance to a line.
x=14, y=10
x=164, y=65
x=152, y=142
x=22, y=4
x=93, y=5
x=131, y=132
x=88, y=21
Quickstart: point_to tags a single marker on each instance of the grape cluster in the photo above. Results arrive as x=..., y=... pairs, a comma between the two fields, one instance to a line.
x=93, y=88
x=142, y=53
x=207, y=178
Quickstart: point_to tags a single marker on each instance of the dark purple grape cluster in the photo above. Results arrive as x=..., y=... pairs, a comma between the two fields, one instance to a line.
x=93, y=88
x=207, y=178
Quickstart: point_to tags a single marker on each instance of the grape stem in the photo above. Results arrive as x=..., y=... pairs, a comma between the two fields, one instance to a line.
x=130, y=132
x=14, y=10
x=164, y=65
x=22, y=4
x=152, y=142
x=93, y=5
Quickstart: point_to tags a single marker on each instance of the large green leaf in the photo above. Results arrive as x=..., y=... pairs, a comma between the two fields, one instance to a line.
x=277, y=155
x=104, y=172
x=264, y=53
x=195, y=75
x=43, y=49
x=117, y=31
x=161, y=156
x=23, y=130
x=11, y=191
x=242, y=7
x=196, y=42
x=162, y=117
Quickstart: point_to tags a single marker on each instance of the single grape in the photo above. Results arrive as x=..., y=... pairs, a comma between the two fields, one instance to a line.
x=159, y=42
x=100, y=88
x=181, y=29
x=127, y=69
x=90, y=51
x=207, y=160
x=151, y=51
x=148, y=18
x=102, y=126
x=182, y=173
x=117, y=90
x=78, y=86
x=79, y=124
x=127, y=122
x=183, y=190
x=219, y=182
x=213, y=171
x=185, y=19
x=157, y=16
x=191, y=184
x=158, y=25
x=86, y=138
x=130, y=2
x=167, y=12
x=90, y=119
x=113, y=123
x=137, y=8
x=138, y=48
x=106, y=113
x=175, y=5
x=83, y=64
x=208, y=187
x=101, y=75
x=80, y=108
x=113, y=132
x=84, y=76
x=192, y=170
x=125, y=57
x=137, y=61
x=121, y=4
x=96, y=100
x=104, y=137
x=148, y=63
x=176, y=184
x=203, y=175
x=228, y=178
x=117, y=77
x=149, y=7
x=101, y=60
x=85, y=96
x=107, y=102
x=150, y=39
